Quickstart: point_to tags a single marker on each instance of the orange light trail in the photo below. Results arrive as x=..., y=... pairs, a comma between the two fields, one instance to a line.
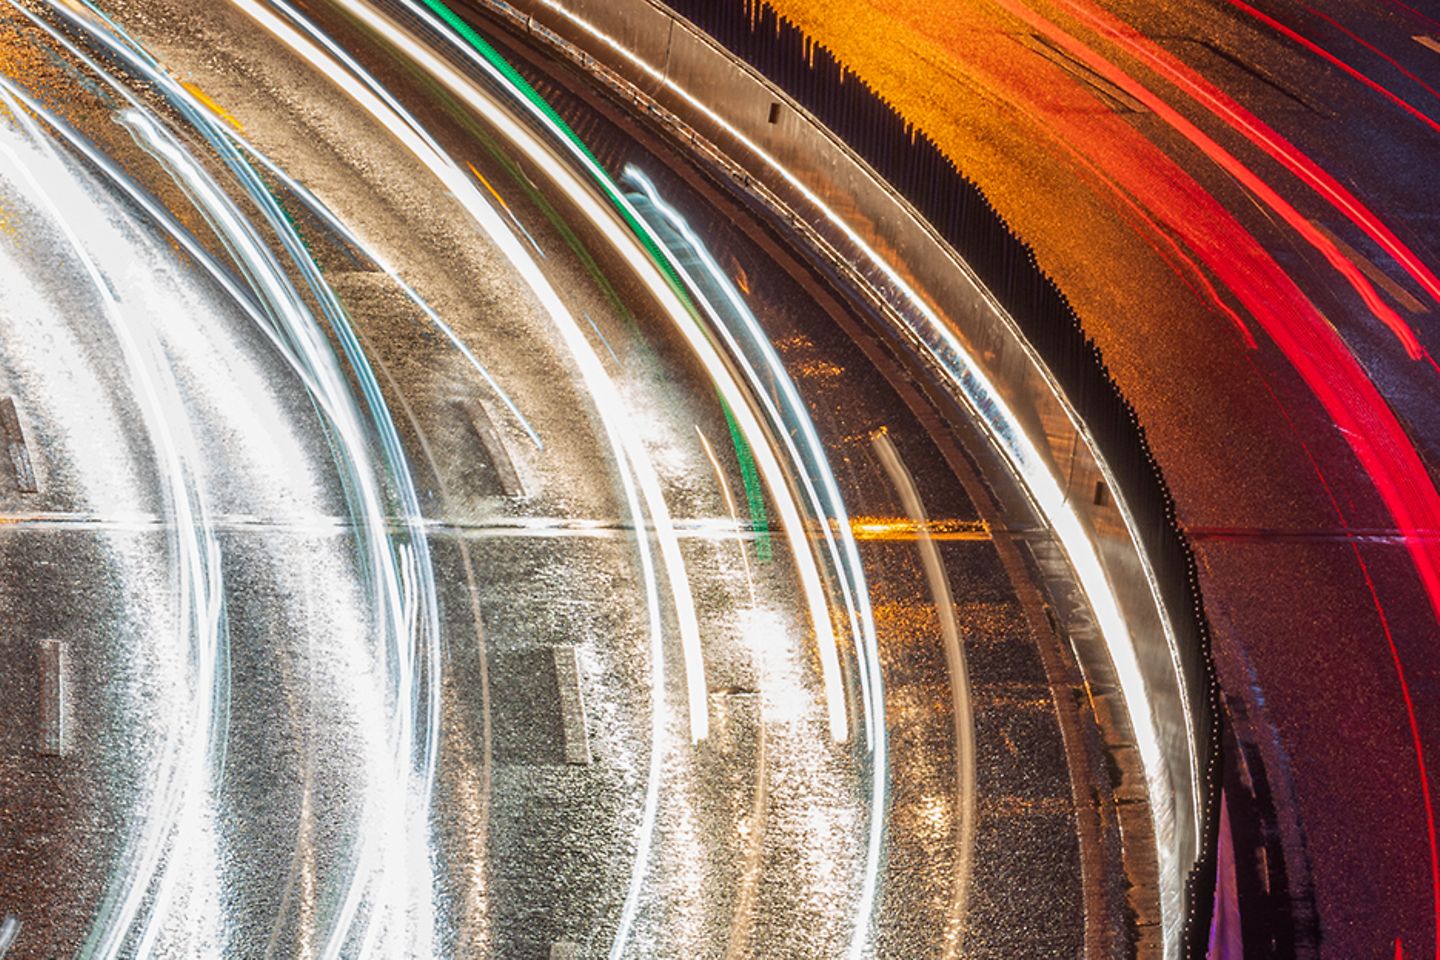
x=905, y=528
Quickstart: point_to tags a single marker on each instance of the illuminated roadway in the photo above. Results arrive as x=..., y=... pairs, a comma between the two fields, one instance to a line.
x=1240, y=199
x=417, y=568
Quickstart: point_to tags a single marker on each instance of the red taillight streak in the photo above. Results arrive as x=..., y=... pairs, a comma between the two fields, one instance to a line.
x=1308, y=341
x=1316, y=352
x=1411, y=718
x=1180, y=263
x=1330, y=58
x=1262, y=136
x=1374, y=49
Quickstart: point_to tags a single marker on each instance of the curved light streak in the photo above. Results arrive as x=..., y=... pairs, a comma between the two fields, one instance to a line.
x=406, y=609
x=735, y=320
x=732, y=319
x=639, y=249
x=639, y=259
x=631, y=457
x=603, y=390
x=192, y=739
x=944, y=348
x=963, y=717
x=1257, y=132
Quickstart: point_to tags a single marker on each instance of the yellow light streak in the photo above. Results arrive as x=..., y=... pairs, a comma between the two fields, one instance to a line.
x=211, y=105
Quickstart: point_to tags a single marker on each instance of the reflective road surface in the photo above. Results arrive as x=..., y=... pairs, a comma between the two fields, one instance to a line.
x=439, y=523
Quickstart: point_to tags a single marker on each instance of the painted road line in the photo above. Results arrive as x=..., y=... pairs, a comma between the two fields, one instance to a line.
x=572, y=706
x=1111, y=95
x=9, y=930
x=1376, y=276
x=52, y=698
x=734, y=720
x=15, y=444
x=484, y=429
x=1428, y=42
x=908, y=528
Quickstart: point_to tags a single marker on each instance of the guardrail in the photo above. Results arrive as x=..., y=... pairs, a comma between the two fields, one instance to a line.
x=895, y=215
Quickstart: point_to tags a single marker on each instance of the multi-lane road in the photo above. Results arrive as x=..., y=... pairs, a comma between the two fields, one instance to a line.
x=448, y=541
x=1240, y=199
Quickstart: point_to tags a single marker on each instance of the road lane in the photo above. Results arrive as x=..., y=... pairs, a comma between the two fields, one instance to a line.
x=750, y=826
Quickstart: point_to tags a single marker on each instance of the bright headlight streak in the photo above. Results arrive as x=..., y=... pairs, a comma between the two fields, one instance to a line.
x=343, y=229
x=730, y=507
x=287, y=308
x=794, y=419
x=660, y=717
x=625, y=243
x=602, y=388
x=291, y=316
x=397, y=619
x=385, y=801
x=182, y=237
x=631, y=458
x=1003, y=427
x=183, y=97
x=191, y=738
x=850, y=573
x=602, y=218
x=786, y=423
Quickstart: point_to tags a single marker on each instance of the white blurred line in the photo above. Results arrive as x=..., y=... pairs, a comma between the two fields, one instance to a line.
x=740, y=538
x=964, y=718
x=9, y=930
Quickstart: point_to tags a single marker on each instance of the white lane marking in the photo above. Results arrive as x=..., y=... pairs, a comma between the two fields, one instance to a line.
x=53, y=715
x=572, y=705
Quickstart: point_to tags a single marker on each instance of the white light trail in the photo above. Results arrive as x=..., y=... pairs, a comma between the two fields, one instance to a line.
x=192, y=741
x=630, y=455
x=625, y=243
x=812, y=466
x=602, y=388
x=1044, y=489
x=393, y=566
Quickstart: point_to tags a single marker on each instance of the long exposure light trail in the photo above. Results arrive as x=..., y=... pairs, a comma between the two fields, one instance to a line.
x=193, y=738
x=730, y=507
x=398, y=599
x=666, y=295
x=1259, y=133
x=1330, y=370
x=640, y=261
x=1396, y=64
x=1291, y=33
x=1001, y=425
x=626, y=446
x=602, y=387
x=734, y=321
x=396, y=596
x=962, y=716
x=183, y=95
x=387, y=680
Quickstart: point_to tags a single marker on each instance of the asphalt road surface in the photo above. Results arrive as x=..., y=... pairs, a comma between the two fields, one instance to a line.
x=405, y=566
x=1239, y=198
